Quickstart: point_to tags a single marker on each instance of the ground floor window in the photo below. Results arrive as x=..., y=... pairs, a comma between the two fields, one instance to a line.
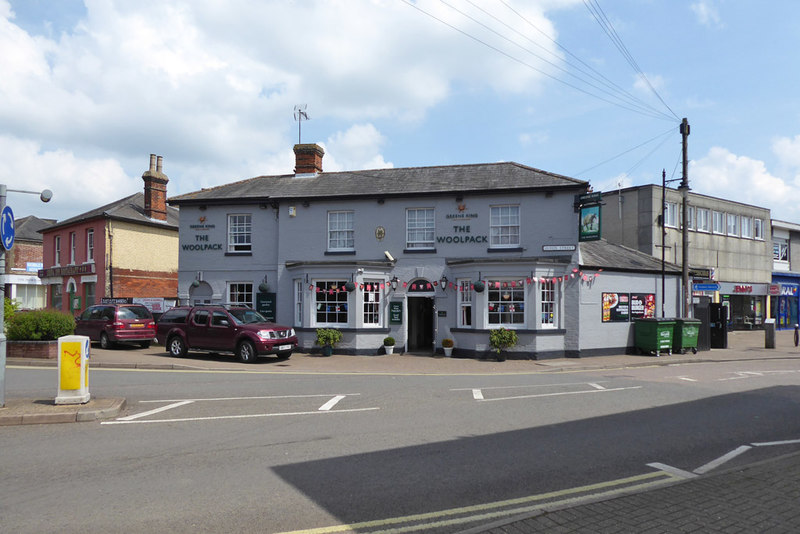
x=89, y=293
x=331, y=302
x=240, y=293
x=56, y=296
x=548, y=293
x=298, y=302
x=465, y=302
x=372, y=303
x=506, y=302
x=30, y=297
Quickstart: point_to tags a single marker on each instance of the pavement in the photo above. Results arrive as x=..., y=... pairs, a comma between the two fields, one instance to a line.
x=759, y=497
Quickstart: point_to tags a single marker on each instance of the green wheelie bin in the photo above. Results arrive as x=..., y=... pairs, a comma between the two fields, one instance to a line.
x=654, y=335
x=687, y=330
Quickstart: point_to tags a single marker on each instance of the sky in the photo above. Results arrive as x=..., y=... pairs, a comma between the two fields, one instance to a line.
x=591, y=89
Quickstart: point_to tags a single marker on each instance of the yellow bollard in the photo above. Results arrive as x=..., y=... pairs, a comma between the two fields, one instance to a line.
x=73, y=370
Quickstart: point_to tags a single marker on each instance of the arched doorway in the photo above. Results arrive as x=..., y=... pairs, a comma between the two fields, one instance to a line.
x=200, y=293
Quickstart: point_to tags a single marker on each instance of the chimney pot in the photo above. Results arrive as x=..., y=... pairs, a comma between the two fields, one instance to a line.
x=158, y=165
x=155, y=190
x=152, y=162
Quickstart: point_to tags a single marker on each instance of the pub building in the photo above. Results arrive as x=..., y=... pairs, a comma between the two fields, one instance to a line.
x=420, y=254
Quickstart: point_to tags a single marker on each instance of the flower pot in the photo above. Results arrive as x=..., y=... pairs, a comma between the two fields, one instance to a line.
x=448, y=351
x=389, y=349
x=327, y=350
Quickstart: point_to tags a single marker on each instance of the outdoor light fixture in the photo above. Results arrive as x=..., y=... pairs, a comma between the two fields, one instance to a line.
x=394, y=283
x=443, y=282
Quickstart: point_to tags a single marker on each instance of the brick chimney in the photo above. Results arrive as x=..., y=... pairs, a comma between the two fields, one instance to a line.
x=155, y=190
x=308, y=159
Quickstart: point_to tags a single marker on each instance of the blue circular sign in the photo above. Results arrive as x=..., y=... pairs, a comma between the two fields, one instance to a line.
x=7, y=227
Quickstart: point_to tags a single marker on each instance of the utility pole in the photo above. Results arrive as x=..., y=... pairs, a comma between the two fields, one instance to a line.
x=684, y=189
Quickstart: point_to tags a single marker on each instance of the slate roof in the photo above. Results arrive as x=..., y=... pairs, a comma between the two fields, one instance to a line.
x=408, y=181
x=27, y=228
x=129, y=209
x=601, y=254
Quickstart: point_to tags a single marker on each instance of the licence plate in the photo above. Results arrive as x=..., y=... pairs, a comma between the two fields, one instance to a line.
x=283, y=347
x=137, y=325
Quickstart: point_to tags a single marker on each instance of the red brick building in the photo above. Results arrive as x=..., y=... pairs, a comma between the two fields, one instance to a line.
x=124, y=250
x=23, y=261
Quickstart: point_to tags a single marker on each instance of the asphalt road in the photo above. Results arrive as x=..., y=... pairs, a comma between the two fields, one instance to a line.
x=261, y=452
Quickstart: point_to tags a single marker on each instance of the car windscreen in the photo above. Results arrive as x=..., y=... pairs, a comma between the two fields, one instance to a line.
x=133, y=312
x=245, y=316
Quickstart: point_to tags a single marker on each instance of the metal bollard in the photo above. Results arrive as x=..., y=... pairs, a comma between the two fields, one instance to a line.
x=796, y=334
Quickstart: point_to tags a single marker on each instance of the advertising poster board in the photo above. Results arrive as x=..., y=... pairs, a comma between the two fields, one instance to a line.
x=643, y=305
x=616, y=307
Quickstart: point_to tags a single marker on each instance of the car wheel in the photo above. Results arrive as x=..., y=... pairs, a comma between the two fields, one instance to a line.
x=145, y=344
x=246, y=352
x=284, y=355
x=176, y=347
x=105, y=343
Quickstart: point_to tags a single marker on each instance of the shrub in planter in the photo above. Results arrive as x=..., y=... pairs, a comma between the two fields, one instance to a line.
x=447, y=343
x=40, y=325
x=501, y=339
x=327, y=338
x=388, y=341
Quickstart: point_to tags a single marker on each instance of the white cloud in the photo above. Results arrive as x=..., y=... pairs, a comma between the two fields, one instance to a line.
x=707, y=13
x=725, y=175
x=357, y=148
x=788, y=151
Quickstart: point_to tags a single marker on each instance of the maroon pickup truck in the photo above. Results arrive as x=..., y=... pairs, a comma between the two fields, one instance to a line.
x=217, y=328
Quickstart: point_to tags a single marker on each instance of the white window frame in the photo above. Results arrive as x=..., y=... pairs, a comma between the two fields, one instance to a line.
x=671, y=214
x=703, y=220
x=548, y=306
x=758, y=229
x=73, y=247
x=57, y=249
x=327, y=300
x=718, y=222
x=240, y=233
x=780, y=249
x=465, y=316
x=90, y=245
x=732, y=225
x=299, y=292
x=420, y=228
x=517, y=296
x=371, y=312
x=690, y=219
x=504, y=226
x=746, y=226
x=341, y=233
x=240, y=293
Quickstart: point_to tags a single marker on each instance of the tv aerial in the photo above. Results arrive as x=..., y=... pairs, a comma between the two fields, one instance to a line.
x=300, y=115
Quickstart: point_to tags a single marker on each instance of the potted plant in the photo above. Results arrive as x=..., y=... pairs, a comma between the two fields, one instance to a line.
x=388, y=344
x=501, y=339
x=447, y=346
x=327, y=338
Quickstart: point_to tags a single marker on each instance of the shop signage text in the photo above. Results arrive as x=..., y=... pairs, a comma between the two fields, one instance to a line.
x=463, y=235
x=69, y=270
x=743, y=289
x=201, y=243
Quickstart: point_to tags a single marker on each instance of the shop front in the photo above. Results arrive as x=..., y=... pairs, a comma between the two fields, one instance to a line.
x=784, y=301
x=746, y=304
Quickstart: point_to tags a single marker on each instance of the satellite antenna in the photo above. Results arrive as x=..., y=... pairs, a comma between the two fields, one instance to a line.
x=300, y=115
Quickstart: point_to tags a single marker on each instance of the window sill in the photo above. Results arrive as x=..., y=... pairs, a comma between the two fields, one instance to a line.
x=419, y=251
x=504, y=249
x=238, y=253
x=340, y=252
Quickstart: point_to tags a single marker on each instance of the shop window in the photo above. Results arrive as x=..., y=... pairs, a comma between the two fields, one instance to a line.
x=240, y=293
x=90, y=245
x=89, y=293
x=718, y=220
x=733, y=224
x=548, y=295
x=57, y=250
x=506, y=302
x=504, y=226
x=464, y=302
x=240, y=233
x=671, y=214
x=372, y=303
x=703, y=220
x=56, y=296
x=340, y=231
x=420, y=228
x=299, y=286
x=331, y=302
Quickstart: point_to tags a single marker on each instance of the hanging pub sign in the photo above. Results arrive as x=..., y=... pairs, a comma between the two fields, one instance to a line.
x=588, y=208
x=265, y=305
x=616, y=307
x=395, y=312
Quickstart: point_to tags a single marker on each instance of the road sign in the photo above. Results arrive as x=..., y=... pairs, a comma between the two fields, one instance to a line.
x=7, y=227
x=706, y=287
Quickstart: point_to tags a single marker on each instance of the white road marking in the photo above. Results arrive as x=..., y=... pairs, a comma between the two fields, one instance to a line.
x=561, y=393
x=252, y=398
x=596, y=386
x=686, y=378
x=157, y=410
x=722, y=459
x=219, y=417
x=773, y=443
x=331, y=403
x=554, y=385
x=477, y=394
x=672, y=470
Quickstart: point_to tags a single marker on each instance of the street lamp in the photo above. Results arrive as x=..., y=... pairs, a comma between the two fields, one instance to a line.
x=45, y=195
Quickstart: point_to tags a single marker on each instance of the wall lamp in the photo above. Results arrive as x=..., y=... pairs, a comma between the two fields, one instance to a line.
x=443, y=283
x=394, y=281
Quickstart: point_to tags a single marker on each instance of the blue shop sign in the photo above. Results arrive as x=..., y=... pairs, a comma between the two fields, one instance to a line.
x=789, y=290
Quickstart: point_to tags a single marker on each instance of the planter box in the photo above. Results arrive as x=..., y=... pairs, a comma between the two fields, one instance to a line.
x=47, y=350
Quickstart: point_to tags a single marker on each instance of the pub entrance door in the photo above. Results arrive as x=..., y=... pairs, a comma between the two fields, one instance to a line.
x=421, y=315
